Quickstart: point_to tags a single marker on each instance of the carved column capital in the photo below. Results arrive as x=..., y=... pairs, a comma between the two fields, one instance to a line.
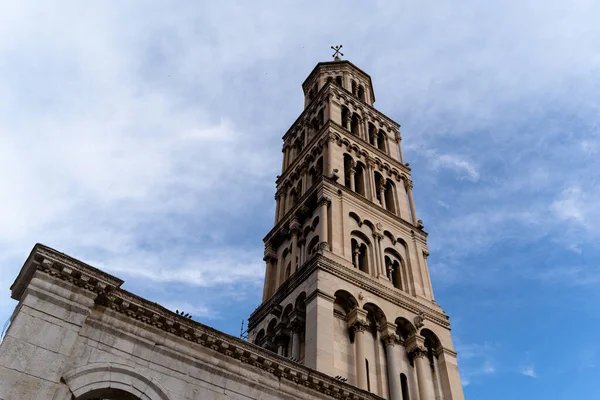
x=324, y=201
x=357, y=320
x=388, y=334
x=295, y=226
x=418, y=352
x=408, y=184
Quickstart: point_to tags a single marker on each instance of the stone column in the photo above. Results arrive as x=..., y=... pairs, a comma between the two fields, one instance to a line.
x=379, y=257
x=297, y=326
x=411, y=202
x=352, y=172
x=390, y=338
x=398, y=139
x=366, y=129
x=283, y=201
x=301, y=251
x=370, y=180
x=277, y=206
x=327, y=156
x=269, y=259
x=285, y=158
x=381, y=189
x=357, y=320
x=294, y=228
x=355, y=255
x=419, y=356
x=319, y=345
x=324, y=230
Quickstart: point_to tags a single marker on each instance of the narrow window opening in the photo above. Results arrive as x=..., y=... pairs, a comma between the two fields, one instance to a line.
x=354, y=124
x=338, y=80
x=381, y=140
x=404, y=386
x=354, y=88
x=359, y=182
x=368, y=377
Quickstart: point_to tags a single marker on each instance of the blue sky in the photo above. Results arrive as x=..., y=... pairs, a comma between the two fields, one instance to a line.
x=144, y=138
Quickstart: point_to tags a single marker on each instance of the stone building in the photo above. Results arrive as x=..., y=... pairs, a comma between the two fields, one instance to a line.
x=348, y=310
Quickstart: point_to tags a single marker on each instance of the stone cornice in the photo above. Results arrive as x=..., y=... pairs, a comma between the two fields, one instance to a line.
x=60, y=266
x=367, y=283
x=46, y=259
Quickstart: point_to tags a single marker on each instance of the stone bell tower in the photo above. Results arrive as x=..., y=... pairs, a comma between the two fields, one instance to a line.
x=347, y=289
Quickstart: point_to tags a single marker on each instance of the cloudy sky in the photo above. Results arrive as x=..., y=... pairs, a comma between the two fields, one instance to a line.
x=144, y=138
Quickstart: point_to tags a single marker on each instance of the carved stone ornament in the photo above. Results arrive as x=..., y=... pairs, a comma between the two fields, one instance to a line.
x=420, y=224
x=389, y=339
x=419, y=320
x=418, y=352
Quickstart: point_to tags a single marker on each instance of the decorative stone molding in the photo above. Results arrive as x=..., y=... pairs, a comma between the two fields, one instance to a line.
x=361, y=280
x=60, y=266
x=97, y=376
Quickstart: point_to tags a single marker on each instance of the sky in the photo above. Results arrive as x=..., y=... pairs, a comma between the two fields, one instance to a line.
x=144, y=138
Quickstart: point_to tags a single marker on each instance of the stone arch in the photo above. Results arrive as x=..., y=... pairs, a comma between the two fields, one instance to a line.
x=96, y=377
x=361, y=251
x=354, y=216
x=396, y=269
x=390, y=196
x=359, y=179
x=375, y=315
x=312, y=246
x=344, y=302
x=404, y=328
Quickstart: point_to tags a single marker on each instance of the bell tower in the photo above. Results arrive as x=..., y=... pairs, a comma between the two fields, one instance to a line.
x=347, y=290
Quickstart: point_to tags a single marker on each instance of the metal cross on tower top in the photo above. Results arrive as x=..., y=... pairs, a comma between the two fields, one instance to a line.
x=337, y=52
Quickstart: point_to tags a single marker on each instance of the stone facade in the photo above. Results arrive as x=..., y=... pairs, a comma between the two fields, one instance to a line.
x=348, y=310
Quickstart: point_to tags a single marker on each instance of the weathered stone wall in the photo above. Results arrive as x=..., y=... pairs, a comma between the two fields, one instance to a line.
x=75, y=333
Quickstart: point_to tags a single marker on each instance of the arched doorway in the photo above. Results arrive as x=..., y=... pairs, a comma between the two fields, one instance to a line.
x=108, y=394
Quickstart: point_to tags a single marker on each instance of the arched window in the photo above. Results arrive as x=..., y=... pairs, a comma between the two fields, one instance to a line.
x=288, y=270
x=312, y=246
x=346, y=117
x=372, y=134
x=404, y=387
x=359, y=179
x=354, y=124
x=390, y=198
x=360, y=252
x=319, y=167
x=381, y=138
x=320, y=118
x=293, y=197
x=361, y=93
x=395, y=270
x=354, y=87
x=338, y=80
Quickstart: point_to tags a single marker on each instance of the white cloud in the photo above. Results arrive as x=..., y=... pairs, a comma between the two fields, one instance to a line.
x=458, y=164
x=529, y=371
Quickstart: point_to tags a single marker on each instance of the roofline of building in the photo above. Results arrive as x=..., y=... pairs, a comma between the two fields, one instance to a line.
x=328, y=63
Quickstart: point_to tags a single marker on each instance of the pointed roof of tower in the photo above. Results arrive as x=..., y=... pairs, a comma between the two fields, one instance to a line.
x=334, y=65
